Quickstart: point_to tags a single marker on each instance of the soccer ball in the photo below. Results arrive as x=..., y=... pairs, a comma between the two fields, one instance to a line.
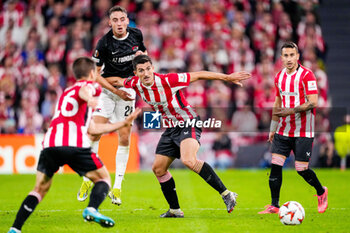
x=291, y=213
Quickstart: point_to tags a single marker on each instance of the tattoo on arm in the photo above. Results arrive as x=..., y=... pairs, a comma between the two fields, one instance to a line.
x=304, y=107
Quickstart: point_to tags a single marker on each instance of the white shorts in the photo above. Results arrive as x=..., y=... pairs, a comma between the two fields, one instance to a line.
x=113, y=107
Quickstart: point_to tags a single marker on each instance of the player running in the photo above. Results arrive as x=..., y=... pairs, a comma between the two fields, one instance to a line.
x=113, y=56
x=292, y=126
x=162, y=92
x=67, y=142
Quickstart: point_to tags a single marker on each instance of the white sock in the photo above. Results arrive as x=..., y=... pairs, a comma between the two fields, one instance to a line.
x=175, y=211
x=121, y=160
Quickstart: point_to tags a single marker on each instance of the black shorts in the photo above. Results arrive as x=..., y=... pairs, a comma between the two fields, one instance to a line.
x=169, y=143
x=81, y=160
x=301, y=146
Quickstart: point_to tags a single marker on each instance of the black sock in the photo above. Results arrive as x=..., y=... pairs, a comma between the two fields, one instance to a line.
x=275, y=183
x=169, y=192
x=98, y=194
x=209, y=175
x=310, y=177
x=26, y=209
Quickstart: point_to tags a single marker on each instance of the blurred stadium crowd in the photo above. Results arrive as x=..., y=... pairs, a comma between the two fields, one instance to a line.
x=40, y=39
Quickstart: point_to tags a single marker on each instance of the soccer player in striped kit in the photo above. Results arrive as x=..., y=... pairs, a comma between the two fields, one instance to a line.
x=67, y=142
x=163, y=93
x=292, y=125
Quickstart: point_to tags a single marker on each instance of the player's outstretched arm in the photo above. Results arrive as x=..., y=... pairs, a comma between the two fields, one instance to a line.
x=236, y=77
x=101, y=128
x=116, y=81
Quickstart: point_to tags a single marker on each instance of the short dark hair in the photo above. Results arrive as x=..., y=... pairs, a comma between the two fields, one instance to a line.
x=140, y=59
x=291, y=45
x=117, y=8
x=82, y=66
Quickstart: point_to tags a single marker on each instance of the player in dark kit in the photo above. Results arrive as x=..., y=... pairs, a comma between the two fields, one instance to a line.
x=117, y=52
x=114, y=52
x=66, y=142
x=162, y=92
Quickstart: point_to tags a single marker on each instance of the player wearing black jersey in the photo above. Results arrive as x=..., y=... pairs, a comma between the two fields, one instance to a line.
x=113, y=56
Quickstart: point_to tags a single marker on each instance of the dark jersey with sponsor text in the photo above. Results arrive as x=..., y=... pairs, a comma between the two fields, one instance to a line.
x=116, y=54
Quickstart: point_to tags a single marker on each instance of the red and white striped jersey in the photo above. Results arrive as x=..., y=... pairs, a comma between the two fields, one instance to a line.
x=165, y=95
x=293, y=89
x=72, y=116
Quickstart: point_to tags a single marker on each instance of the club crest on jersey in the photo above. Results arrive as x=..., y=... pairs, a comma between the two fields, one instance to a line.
x=135, y=48
x=182, y=77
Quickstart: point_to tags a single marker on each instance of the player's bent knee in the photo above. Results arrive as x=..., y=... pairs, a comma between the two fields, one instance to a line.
x=194, y=165
x=301, y=166
x=124, y=136
x=158, y=171
x=99, y=174
x=164, y=178
x=104, y=176
x=277, y=160
x=189, y=163
x=40, y=190
x=107, y=181
x=124, y=141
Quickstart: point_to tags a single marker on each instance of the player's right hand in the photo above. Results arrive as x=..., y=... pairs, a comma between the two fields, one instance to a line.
x=271, y=135
x=124, y=95
x=132, y=116
x=237, y=77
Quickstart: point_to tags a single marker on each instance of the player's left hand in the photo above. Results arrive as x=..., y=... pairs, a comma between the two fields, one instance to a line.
x=237, y=77
x=271, y=136
x=132, y=116
x=283, y=112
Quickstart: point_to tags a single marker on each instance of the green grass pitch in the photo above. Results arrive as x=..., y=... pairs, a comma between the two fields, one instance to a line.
x=203, y=208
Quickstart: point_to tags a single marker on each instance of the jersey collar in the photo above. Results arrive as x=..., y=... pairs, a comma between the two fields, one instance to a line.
x=127, y=34
x=296, y=70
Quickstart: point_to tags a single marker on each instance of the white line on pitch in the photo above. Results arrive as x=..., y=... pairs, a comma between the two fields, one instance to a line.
x=186, y=209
